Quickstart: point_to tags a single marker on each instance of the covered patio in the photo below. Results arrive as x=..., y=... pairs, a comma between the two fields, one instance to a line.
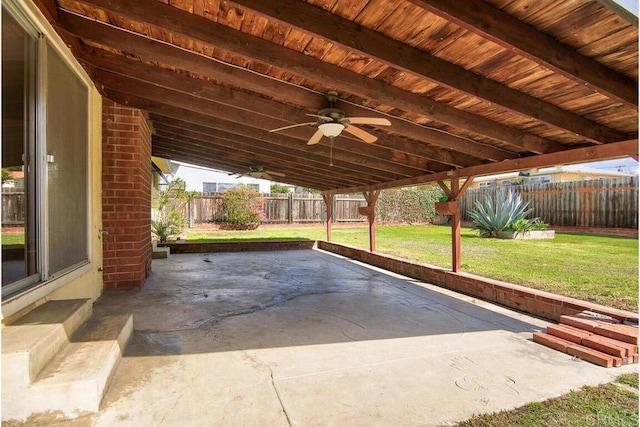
x=413, y=91
x=333, y=95
x=306, y=337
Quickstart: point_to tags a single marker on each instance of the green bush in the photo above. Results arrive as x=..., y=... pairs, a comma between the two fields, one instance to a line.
x=168, y=217
x=508, y=212
x=243, y=207
x=408, y=205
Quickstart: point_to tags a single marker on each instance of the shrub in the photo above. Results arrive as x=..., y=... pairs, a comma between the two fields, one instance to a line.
x=243, y=207
x=168, y=217
x=521, y=225
x=408, y=205
x=507, y=211
x=539, y=224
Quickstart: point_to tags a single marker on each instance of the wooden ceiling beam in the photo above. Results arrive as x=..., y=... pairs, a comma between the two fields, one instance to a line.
x=233, y=76
x=241, y=162
x=375, y=157
x=242, y=100
x=281, y=158
x=147, y=100
x=317, y=22
x=279, y=145
x=578, y=155
x=503, y=29
x=324, y=173
x=170, y=153
x=221, y=37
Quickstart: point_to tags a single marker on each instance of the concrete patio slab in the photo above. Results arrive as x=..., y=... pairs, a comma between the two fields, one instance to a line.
x=308, y=338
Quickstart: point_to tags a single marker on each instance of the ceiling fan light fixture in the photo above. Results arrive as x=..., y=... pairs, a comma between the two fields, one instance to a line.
x=331, y=130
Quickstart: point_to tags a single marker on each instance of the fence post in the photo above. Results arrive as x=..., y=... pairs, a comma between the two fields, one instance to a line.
x=290, y=207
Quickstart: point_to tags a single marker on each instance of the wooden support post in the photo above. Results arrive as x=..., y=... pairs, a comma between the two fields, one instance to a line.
x=328, y=201
x=372, y=198
x=455, y=229
x=455, y=193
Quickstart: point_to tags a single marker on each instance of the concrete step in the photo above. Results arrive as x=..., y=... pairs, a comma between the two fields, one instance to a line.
x=108, y=328
x=30, y=342
x=77, y=374
x=77, y=378
x=160, y=253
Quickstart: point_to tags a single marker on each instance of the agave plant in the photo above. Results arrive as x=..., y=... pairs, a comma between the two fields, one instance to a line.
x=489, y=218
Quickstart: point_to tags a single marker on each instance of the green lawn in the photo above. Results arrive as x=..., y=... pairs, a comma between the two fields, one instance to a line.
x=605, y=405
x=601, y=269
x=12, y=240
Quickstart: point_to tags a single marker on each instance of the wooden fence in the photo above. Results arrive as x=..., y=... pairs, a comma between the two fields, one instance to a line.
x=597, y=203
x=13, y=208
x=281, y=208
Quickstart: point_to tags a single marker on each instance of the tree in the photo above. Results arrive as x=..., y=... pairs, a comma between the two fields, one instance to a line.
x=6, y=176
x=278, y=189
x=169, y=218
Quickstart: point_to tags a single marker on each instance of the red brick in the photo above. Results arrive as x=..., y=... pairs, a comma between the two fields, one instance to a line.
x=550, y=341
x=569, y=333
x=577, y=322
x=594, y=356
x=126, y=196
x=624, y=333
x=610, y=346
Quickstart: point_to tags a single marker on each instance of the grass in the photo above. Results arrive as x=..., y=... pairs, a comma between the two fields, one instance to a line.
x=12, y=240
x=605, y=405
x=601, y=269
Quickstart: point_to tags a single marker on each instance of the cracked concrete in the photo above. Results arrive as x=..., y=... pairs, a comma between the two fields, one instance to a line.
x=306, y=338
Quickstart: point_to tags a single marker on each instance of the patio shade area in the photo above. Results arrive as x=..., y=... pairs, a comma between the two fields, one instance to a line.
x=305, y=337
x=447, y=89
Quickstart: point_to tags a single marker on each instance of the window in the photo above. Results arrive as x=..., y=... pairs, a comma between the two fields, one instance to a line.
x=209, y=187
x=221, y=187
x=45, y=139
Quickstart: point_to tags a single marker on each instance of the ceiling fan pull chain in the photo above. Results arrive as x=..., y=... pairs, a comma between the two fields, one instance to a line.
x=331, y=153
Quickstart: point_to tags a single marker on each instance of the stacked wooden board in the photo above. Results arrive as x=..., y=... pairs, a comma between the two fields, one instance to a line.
x=595, y=338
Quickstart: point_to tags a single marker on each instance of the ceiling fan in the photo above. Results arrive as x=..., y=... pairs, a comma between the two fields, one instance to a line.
x=332, y=121
x=258, y=171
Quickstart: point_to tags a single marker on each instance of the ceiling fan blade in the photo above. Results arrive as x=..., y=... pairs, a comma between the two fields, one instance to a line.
x=293, y=126
x=323, y=118
x=266, y=176
x=363, y=135
x=378, y=121
x=280, y=174
x=315, y=138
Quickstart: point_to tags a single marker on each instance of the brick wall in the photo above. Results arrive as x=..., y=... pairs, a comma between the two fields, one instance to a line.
x=126, y=196
x=532, y=301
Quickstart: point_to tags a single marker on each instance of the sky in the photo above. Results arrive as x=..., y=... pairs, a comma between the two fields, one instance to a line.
x=626, y=164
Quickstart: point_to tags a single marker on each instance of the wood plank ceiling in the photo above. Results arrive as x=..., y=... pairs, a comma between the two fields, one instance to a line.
x=463, y=83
